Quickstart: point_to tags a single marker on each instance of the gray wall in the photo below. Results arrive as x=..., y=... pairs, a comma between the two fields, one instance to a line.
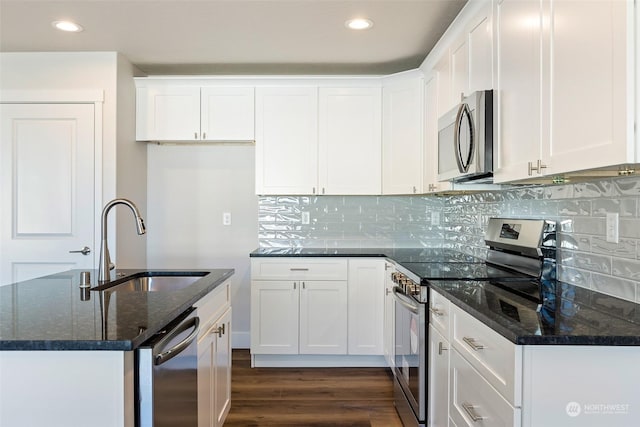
x=586, y=259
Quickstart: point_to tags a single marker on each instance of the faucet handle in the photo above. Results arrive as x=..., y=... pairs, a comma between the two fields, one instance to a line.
x=112, y=266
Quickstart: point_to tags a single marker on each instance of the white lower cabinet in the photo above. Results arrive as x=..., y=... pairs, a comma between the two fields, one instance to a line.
x=214, y=357
x=388, y=337
x=438, y=379
x=298, y=306
x=317, y=306
x=366, y=306
x=474, y=402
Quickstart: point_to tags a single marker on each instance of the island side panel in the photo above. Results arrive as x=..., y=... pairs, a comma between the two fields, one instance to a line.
x=581, y=386
x=67, y=388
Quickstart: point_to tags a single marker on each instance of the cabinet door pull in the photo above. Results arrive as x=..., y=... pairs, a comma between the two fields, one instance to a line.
x=220, y=331
x=298, y=269
x=195, y=135
x=538, y=168
x=471, y=410
x=204, y=135
x=441, y=347
x=303, y=286
x=471, y=342
x=436, y=312
x=294, y=285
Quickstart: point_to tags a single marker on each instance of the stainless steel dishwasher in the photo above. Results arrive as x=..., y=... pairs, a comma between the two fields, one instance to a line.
x=167, y=376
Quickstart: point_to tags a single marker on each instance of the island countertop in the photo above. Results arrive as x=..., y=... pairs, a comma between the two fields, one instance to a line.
x=54, y=313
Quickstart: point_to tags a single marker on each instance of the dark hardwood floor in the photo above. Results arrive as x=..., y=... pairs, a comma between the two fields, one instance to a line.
x=310, y=397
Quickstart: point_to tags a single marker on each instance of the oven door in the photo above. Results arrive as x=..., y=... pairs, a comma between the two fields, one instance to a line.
x=410, y=356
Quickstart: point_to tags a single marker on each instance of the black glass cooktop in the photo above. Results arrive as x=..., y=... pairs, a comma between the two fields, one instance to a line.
x=427, y=271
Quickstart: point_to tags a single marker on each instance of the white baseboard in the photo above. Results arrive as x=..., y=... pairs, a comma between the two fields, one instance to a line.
x=240, y=339
x=316, y=361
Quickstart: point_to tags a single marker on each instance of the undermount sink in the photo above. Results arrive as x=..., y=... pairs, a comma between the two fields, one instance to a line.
x=153, y=282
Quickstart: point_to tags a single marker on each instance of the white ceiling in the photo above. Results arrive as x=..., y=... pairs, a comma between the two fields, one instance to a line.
x=235, y=36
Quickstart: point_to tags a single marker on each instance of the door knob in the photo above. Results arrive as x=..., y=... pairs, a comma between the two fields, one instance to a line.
x=84, y=251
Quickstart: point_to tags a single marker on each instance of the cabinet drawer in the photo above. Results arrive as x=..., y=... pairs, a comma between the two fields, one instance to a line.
x=210, y=306
x=474, y=402
x=299, y=269
x=497, y=359
x=439, y=313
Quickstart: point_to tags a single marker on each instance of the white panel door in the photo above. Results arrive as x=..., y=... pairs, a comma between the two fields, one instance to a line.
x=402, y=135
x=323, y=317
x=47, y=189
x=366, y=306
x=168, y=113
x=228, y=113
x=350, y=153
x=287, y=140
x=274, y=317
x=518, y=97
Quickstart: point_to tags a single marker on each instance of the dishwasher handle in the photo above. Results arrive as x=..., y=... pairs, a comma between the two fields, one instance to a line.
x=403, y=300
x=166, y=355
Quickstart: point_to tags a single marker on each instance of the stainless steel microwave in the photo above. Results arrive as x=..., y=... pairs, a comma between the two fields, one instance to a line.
x=465, y=140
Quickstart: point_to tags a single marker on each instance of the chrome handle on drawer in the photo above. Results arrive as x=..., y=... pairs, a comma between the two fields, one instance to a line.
x=436, y=312
x=298, y=269
x=471, y=342
x=471, y=410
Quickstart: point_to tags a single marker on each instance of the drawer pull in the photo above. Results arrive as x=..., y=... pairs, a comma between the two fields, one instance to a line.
x=436, y=312
x=441, y=348
x=471, y=410
x=299, y=269
x=471, y=342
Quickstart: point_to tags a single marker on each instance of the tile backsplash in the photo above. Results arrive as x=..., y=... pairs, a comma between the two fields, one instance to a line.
x=585, y=257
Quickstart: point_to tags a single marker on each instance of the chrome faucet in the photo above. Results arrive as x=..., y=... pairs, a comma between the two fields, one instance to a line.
x=105, y=260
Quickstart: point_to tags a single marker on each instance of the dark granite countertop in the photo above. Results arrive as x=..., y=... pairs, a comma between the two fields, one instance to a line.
x=54, y=313
x=399, y=255
x=572, y=316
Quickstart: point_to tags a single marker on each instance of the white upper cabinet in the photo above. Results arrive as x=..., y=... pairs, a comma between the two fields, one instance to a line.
x=563, y=77
x=517, y=97
x=588, y=46
x=167, y=111
x=170, y=113
x=402, y=142
x=479, y=37
x=287, y=140
x=460, y=68
x=350, y=146
x=227, y=113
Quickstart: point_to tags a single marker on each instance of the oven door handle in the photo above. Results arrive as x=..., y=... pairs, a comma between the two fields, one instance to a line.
x=404, y=301
x=165, y=355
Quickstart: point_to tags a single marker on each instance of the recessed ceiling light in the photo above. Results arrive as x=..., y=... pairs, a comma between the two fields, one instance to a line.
x=359, y=24
x=69, y=26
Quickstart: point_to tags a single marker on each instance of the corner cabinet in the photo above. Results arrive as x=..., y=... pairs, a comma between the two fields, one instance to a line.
x=214, y=357
x=174, y=111
x=402, y=142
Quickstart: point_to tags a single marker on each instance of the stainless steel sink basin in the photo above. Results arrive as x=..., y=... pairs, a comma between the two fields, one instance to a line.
x=153, y=282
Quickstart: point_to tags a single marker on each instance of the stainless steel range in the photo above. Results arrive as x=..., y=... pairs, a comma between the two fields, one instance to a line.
x=521, y=258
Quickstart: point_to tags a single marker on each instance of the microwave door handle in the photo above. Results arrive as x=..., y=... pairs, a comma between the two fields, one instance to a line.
x=463, y=112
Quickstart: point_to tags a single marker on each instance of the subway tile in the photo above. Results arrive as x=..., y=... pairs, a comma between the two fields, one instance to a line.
x=593, y=189
x=586, y=261
x=625, y=207
x=557, y=192
x=574, y=242
x=627, y=186
x=574, y=207
x=575, y=276
x=629, y=228
x=589, y=225
x=625, y=248
x=629, y=269
x=621, y=288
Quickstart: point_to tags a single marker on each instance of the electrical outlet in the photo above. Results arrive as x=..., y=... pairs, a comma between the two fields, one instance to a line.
x=305, y=218
x=435, y=218
x=226, y=218
x=612, y=227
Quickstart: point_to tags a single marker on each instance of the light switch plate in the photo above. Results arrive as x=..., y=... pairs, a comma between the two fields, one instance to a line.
x=226, y=218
